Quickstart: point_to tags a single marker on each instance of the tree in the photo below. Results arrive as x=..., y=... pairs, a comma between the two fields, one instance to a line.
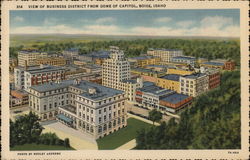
x=66, y=142
x=155, y=116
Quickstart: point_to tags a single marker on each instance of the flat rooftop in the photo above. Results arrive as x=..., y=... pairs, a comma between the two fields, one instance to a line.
x=142, y=57
x=214, y=63
x=163, y=49
x=101, y=92
x=184, y=58
x=173, y=77
x=52, y=86
x=194, y=76
x=156, y=90
x=174, y=98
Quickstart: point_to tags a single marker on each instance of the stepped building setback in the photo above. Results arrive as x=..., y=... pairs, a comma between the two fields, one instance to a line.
x=116, y=74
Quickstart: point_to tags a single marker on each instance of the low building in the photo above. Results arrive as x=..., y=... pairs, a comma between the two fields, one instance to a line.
x=53, y=61
x=180, y=71
x=175, y=102
x=88, y=107
x=194, y=85
x=71, y=53
x=184, y=60
x=18, y=98
x=159, y=68
x=25, y=77
x=147, y=72
x=170, y=81
x=13, y=64
x=211, y=64
x=164, y=100
x=92, y=68
x=142, y=61
x=229, y=65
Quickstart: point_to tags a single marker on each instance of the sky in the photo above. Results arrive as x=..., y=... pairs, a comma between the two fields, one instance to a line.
x=191, y=22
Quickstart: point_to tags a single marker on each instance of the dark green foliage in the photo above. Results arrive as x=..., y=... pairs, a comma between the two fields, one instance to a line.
x=207, y=48
x=213, y=122
x=155, y=115
x=27, y=129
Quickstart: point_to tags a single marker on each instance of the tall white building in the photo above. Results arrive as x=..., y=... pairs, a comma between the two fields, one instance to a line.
x=166, y=55
x=116, y=73
x=91, y=108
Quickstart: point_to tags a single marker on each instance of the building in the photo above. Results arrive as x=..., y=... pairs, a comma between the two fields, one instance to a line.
x=53, y=61
x=116, y=73
x=170, y=81
x=213, y=77
x=13, y=64
x=180, y=71
x=25, y=77
x=88, y=107
x=194, y=85
x=29, y=57
x=147, y=72
x=92, y=68
x=175, y=102
x=71, y=53
x=164, y=100
x=229, y=65
x=165, y=55
x=184, y=60
x=18, y=98
x=159, y=68
x=144, y=60
x=218, y=65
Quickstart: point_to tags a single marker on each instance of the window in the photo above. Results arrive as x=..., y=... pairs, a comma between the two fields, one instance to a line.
x=44, y=107
x=100, y=111
x=104, y=109
x=92, y=111
x=105, y=118
x=92, y=120
x=100, y=119
x=87, y=109
x=55, y=104
x=50, y=106
x=99, y=129
x=109, y=107
x=87, y=118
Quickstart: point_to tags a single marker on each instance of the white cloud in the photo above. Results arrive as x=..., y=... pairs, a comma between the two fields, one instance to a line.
x=50, y=21
x=105, y=20
x=216, y=21
x=163, y=19
x=18, y=19
x=185, y=24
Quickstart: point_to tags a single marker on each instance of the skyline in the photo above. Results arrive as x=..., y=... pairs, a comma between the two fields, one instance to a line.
x=209, y=23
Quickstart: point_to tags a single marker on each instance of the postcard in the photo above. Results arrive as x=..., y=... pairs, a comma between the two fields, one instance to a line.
x=124, y=80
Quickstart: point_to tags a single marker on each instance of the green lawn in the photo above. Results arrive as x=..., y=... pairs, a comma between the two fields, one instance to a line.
x=122, y=136
x=28, y=147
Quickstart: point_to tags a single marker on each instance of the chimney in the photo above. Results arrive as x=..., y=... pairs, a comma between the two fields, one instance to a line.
x=92, y=90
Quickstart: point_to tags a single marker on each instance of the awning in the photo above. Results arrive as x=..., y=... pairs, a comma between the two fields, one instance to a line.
x=64, y=118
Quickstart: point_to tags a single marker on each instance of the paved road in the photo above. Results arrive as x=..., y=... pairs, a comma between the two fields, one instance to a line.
x=127, y=146
x=78, y=140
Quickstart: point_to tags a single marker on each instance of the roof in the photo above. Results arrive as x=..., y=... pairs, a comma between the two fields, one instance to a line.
x=156, y=90
x=173, y=77
x=146, y=70
x=194, y=76
x=174, y=98
x=52, y=86
x=101, y=91
x=29, y=51
x=184, y=58
x=148, y=83
x=64, y=118
x=214, y=63
x=72, y=49
x=142, y=57
x=130, y=81
x=44, y=68
x=159, y=66
x=163, y=49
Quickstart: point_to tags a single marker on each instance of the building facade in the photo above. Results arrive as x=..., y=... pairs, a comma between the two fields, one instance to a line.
x=82, y=105
x=144, y=60
x=165, y=55
x=25, y=77
x=194, y=85
x=184, y=59
x=53, y=61
x=170, y=81
x=116, y=73
x=179, y=71
x=29, y=57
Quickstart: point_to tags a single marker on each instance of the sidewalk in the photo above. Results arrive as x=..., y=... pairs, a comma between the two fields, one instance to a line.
x=78, y=140
x=127, y=146
x=143, y=119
